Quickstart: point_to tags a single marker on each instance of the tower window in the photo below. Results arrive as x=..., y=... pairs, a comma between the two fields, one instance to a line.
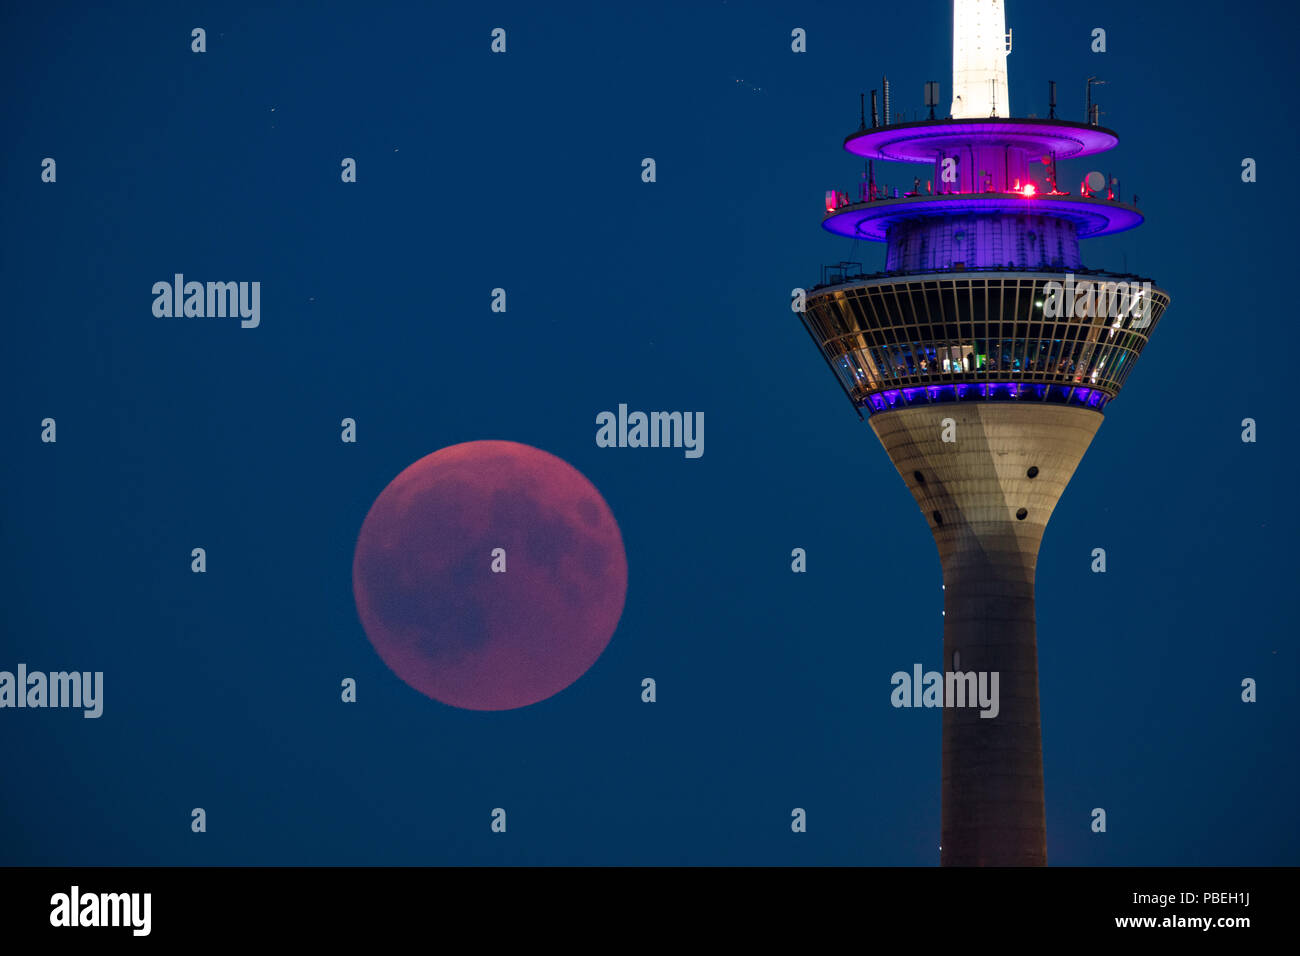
x=938, y=518
x=1022, y=514
x=920, y=478
x=1032, y=472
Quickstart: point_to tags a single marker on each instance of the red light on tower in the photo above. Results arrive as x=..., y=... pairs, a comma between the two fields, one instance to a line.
x=1030, y=189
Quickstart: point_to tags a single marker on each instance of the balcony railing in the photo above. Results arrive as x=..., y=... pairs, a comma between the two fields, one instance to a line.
x=836, y=274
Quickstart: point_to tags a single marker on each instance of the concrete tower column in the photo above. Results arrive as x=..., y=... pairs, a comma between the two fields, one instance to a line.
x=971, y=491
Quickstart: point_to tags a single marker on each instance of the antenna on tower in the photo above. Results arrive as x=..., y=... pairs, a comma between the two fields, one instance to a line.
x=1093, y=112
x=874, y=120
x=1051, y=99
x=884, y=83
x=862, y=111
x=932, y=95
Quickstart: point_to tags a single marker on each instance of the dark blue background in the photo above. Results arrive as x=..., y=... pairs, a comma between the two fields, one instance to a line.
x=523, y=171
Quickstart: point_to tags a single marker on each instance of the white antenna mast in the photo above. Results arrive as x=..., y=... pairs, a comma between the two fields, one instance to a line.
x=980, y=44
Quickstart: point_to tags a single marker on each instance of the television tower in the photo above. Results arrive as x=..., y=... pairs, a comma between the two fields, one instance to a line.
x=984, y=356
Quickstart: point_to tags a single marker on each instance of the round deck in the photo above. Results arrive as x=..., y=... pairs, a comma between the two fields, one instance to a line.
x=922, y=141
x=871, y=220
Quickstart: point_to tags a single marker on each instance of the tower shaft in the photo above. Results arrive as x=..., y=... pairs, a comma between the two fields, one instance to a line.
x=970, y=491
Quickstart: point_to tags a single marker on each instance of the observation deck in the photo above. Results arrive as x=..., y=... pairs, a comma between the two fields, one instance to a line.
x=984, y=296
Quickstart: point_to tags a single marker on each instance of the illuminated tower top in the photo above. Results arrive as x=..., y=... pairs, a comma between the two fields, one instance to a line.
x=980, y=46
x=984, y=295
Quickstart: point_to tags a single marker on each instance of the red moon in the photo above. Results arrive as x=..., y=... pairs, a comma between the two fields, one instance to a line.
x=448, y=624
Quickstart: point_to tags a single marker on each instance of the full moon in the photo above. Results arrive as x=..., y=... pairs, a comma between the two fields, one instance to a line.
x=489, y=575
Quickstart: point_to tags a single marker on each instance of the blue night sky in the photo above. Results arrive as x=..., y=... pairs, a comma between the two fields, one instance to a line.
x=522, y=171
